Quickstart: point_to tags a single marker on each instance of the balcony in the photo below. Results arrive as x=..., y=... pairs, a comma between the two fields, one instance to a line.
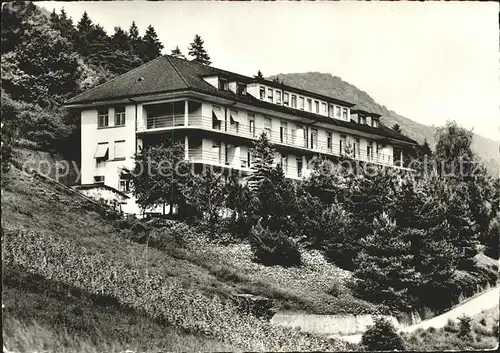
x=286, y=138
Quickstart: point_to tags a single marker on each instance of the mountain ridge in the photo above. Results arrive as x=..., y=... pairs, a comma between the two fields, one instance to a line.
x=330, y=85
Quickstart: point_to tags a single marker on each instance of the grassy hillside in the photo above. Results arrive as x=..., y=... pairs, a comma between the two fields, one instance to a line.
x=334, y=86
x=62, y=255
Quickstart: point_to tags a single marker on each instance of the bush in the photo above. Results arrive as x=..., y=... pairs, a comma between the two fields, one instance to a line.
x=464, y=326
x=175, y=235
x=273, y=248
x=450, y=326
x=382, y=337
x=336, y=289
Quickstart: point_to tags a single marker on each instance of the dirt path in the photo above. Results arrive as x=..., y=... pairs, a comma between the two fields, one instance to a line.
x=472, y=306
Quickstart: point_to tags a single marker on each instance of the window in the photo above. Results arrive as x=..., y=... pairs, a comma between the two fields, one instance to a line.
x=284, y=162
x=330, y=110
x=299, y=166
x=234, y=120
x=223, y=84
x=284, y=132
x=337, y=111
x=99, y=179
x=323, y=108
x=378, y=154
x=285, y=98
x=101, y=154
x=270, y=96
x=294, y=101
x=344, y=114
x=316, y=106
x=278, y=97
x=124, y=185
x=251, y=124
x=267, y=126
x=342, y=142
x=369, y=150
x=375, y=122
x=355, y=148
x=309, y=104
x=249, y=159
x=241, y=89
x=262, y=92
x=362, y=119
x=217, y=117
x=119, y=150
x=329, y=141
x=301, y=103
x=102, y=117
x=120, y=116
x=314, y=138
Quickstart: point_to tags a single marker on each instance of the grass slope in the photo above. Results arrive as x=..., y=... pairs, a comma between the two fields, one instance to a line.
x=215, y=269
x=34, y=205
x=334, y=86
x=41, y=314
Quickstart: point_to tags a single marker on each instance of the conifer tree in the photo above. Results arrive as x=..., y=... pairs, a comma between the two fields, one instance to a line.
x=84, y=35
x=198, y=52
x=151, y=45
x=262, y=161
x=385, y=266
x=396, y=127
x=176, y=52
x=133, y=32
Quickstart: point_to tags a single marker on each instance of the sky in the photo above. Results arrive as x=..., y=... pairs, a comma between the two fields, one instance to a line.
x=428, y=61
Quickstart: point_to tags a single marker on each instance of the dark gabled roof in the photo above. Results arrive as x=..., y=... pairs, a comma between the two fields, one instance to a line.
x=168, y=74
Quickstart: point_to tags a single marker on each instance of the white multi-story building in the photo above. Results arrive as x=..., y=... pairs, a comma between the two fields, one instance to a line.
x=218, y=114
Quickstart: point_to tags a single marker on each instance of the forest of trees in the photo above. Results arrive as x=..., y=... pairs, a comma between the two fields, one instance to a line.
x=47, y=59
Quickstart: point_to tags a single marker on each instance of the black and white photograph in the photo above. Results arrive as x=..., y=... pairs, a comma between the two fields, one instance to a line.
x=243, y=176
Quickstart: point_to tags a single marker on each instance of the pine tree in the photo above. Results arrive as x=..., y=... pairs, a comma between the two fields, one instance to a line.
x=54, y=17
x=124, y=58
x=396, y=127
x=84, y=33
x=151, y=45
x=198, y=52
x=385, y=266
x=263, y=159
x=259, y=74
x=133, y=32
x=176, y=52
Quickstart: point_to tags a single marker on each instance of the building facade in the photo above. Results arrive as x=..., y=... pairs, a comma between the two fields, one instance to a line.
x=218, y=115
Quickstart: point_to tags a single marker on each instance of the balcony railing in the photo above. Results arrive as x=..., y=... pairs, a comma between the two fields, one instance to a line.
x=219, y=159
x=289, y=138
